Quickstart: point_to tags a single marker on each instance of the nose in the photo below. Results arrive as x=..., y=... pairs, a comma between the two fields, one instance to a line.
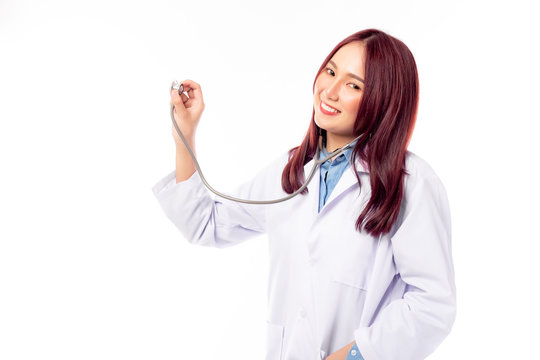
x=332, y=90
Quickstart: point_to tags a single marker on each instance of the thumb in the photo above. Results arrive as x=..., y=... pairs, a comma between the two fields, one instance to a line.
x=180, y=108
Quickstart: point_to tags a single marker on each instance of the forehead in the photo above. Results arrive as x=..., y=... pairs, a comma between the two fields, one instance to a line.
x=350, y=57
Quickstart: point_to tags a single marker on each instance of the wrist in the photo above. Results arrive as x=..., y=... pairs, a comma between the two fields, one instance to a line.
x=190, y=139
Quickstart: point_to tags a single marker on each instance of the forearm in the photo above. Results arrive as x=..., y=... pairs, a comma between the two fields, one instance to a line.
x=184, y=163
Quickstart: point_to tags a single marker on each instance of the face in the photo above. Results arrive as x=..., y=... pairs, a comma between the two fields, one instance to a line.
x=338, y=91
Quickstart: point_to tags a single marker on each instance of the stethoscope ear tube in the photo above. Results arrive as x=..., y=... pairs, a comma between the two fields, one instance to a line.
x=177, y=86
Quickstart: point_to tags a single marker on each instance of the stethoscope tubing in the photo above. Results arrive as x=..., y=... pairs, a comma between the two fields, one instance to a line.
x=177, y=86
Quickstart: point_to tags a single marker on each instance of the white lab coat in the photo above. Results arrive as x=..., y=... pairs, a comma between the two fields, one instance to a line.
x=329, y=284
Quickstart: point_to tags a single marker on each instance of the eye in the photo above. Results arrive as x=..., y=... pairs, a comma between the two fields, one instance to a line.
x=331, y=72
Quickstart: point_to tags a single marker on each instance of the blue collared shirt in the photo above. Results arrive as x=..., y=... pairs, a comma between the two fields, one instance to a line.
x=331, y=172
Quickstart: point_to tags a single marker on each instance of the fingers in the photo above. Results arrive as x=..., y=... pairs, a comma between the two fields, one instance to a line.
x=189, y=98
x=175, y=97
x=180, y=102
x=193, y=89
x=184, y=98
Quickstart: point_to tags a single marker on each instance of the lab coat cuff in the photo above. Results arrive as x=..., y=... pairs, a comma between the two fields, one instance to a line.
x=168, y=182
x=368, y=352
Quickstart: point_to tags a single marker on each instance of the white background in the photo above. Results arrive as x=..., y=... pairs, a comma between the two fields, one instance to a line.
x=90, y=267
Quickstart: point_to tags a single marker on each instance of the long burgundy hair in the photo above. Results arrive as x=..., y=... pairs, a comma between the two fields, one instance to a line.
x=387, y=113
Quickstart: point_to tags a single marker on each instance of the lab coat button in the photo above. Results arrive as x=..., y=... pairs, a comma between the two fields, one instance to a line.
x=312, y=261
x=303, y=312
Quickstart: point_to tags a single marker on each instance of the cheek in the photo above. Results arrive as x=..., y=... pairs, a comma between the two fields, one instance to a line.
x=352, y=103
x=317, y=87
x=322, y=82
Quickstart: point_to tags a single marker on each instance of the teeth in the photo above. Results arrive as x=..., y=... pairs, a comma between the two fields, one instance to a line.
x=328, y=108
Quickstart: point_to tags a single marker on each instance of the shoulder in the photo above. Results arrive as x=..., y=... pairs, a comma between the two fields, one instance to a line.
x=418, y=168
x=419, y=172
x=421, y=179
x=425, y=197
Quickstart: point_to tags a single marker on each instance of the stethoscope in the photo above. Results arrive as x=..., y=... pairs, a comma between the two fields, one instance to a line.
x=180, y=88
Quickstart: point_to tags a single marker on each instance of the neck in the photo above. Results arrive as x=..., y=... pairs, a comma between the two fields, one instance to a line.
x=335, y=145
x=334, y=142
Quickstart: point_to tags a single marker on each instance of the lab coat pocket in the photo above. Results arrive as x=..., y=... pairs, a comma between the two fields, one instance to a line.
x=302, y=342
x=352, y=270
x=274, y=341
x=350, y=277
x=352, y=256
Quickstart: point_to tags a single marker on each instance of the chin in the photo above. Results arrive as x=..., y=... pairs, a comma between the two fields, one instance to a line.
x=319, y=124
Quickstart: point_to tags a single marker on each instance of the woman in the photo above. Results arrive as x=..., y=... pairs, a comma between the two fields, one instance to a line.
x=360, y=261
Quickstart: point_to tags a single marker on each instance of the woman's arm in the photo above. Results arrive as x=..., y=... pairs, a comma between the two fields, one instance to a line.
x=211, y=220
x=202, y=219
x=188, y=110
x=184, y=163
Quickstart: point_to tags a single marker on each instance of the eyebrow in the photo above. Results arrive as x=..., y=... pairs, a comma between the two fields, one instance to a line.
x=350, y=74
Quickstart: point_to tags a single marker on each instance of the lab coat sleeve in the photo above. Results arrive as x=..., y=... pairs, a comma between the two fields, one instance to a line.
x=411, y=327
x=210, y=220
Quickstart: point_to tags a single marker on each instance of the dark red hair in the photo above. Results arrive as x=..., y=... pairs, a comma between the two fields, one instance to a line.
x=387, y=112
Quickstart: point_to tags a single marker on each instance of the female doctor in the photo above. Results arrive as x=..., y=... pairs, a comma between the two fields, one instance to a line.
x=360, y=261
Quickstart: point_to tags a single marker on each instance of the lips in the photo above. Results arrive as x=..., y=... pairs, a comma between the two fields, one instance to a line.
x=326, y=112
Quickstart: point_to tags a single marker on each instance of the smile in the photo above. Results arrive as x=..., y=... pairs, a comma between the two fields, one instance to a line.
x=327, y=109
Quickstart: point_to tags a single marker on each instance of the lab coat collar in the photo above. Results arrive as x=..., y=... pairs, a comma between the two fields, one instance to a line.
x=346, y=181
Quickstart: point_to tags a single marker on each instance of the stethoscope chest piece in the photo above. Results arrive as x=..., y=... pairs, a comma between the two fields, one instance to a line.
x=177, y=86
